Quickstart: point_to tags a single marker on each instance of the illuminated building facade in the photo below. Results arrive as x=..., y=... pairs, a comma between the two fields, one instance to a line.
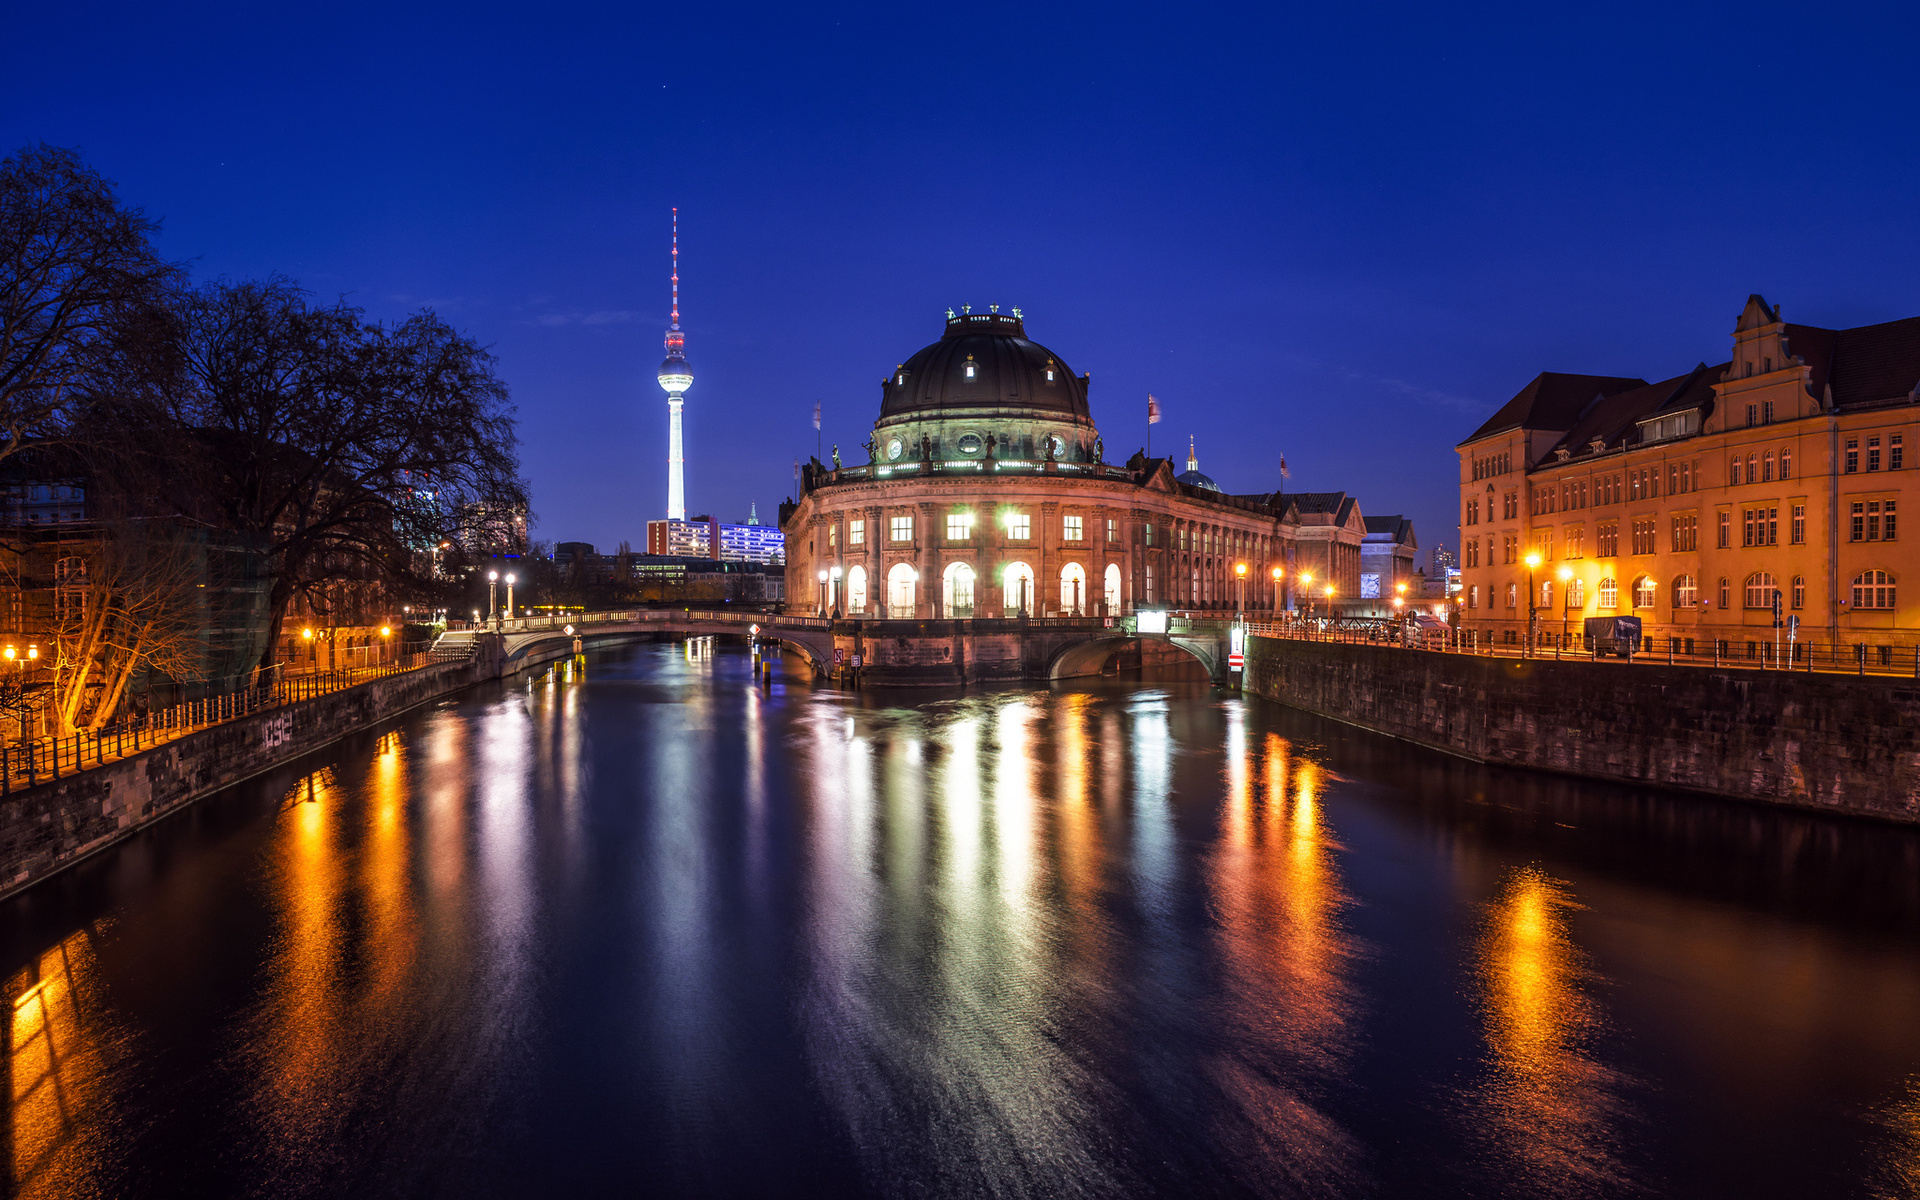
x=987, y=493
x=1695, y=501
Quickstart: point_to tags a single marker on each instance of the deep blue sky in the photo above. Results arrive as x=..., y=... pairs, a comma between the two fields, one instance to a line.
x=1344, y=233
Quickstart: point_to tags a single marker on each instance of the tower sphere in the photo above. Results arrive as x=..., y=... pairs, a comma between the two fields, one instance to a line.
x=676, y=376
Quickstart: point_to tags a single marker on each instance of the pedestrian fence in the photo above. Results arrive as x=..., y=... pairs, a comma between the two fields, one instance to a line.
x=27, y=761
x=1761, y=651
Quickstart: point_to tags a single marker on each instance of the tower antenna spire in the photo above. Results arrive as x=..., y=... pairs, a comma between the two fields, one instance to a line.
x=675, y=378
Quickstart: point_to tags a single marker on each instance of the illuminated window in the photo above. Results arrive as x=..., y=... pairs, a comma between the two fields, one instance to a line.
x=959, y=527
x=1853, y=455
x=1576, y=593
x=1726, y=593
x=1644, y=590
x=1686, y=592
x=856, y=533
x=1609, y=593
x=1019, y=526
x=1113, y=530
x=1873, y=589
x=1786, y=462
x=1073, y=533
x=1513, y=596
x=970, y=366
x=1873, y=454
x=900, y=529
x=1761, y=590
x=1895, y=453
x=1799, y=528
x=1799, y=591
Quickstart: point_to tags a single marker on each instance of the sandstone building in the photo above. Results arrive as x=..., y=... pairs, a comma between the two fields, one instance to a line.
x=987, y=492
x=1695, y=501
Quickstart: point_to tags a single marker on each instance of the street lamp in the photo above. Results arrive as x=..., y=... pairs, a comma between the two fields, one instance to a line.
x=1276, y=573
x=1566, y=601
x=493, y=584
x=833, y=591
x=1240, y=582
x=823, y=593
x=509, y=595
x=1533, y=602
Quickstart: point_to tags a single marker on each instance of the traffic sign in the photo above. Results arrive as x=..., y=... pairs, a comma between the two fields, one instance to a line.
x=839, y=656
x=1236, y=661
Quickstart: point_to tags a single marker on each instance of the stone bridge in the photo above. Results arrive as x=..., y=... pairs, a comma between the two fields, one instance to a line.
x=890, y=652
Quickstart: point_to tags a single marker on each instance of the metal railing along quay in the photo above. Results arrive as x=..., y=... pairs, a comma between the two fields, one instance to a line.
x=25, y=762
x=1722, y=653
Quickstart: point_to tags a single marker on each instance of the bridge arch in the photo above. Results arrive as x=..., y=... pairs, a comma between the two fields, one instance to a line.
x=1082, y=658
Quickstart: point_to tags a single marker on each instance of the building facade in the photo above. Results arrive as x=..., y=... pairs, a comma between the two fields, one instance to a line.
x=987, y=493
x=1693, y=503
x=708, y=538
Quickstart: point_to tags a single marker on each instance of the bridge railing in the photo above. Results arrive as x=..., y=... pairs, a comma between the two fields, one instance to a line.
x=654, y=616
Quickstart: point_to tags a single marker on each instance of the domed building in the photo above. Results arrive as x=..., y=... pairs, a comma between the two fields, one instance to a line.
x=988, y=493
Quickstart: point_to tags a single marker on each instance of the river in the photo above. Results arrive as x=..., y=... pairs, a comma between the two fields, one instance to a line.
x=639, y=927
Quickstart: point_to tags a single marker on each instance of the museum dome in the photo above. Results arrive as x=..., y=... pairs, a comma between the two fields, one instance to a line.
x=984, y=365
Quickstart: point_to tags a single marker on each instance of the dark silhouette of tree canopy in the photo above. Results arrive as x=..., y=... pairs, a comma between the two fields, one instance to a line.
x=343, y=448
x=73, y=265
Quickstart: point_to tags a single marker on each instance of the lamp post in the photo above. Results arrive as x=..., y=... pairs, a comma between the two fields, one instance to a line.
x=1306, y=585
x=823, y=593
x=493, y=586
x=1566, y=602
x=1276, y=573
x=833, y=591
x=1533, y=603
x=1240, y=584
x=386, y=641
x=509, y=595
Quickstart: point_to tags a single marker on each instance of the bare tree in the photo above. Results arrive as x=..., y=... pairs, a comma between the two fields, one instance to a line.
x=125, y=604
x=345, y=449
x=73, y=264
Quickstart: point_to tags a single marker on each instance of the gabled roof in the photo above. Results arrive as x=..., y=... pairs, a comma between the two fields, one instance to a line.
x=1864, y=365
x=1552, y=401
x=1614, y=417
x=1396, y=528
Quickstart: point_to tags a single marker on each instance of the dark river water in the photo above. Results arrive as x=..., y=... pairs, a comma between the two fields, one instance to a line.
x=640, y=928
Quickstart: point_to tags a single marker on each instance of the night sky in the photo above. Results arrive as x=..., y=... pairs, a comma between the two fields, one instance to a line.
x=1342, y=233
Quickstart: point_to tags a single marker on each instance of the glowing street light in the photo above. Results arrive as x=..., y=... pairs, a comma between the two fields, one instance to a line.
x=509, y=595
x=1566, y=600
x=493, y=583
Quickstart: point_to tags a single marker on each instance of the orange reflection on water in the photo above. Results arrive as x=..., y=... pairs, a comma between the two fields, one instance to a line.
x=55, y=1061
x=1548, y=1102
x=1285, y=958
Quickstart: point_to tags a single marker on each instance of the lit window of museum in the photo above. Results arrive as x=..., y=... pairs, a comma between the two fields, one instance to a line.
x=1829, y=410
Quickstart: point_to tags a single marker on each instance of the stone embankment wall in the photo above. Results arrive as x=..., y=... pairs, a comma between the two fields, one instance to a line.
x=54, y=825
x=1838, y=743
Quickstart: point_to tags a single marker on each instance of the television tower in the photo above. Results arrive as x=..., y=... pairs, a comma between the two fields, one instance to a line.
x=676, y=377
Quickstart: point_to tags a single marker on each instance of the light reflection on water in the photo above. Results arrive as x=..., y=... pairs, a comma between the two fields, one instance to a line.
x=643, y=925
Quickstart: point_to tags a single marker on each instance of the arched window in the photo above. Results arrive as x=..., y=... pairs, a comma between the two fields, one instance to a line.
x=1113, y=589
x=1873, y=589
x=1609, y=593
x=1546, y=594
x=1645, y=590
x=1753, y=468
x=1733, y=469
x=1473, y=596
x=1726, y=593
x=900, y=592
x=1576, y=593
x=1019, y=593
x=1513, y=596
x=1786, y=462
x=1799, y=591
x=1761, y=589
x=1073, y=589
x=1686, y=592
x=956, y=591
x=856, y=589
x=1766, y=468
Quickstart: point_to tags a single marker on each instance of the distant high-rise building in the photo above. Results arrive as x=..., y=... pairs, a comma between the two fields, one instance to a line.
x=676, y=376
x=708, y=538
